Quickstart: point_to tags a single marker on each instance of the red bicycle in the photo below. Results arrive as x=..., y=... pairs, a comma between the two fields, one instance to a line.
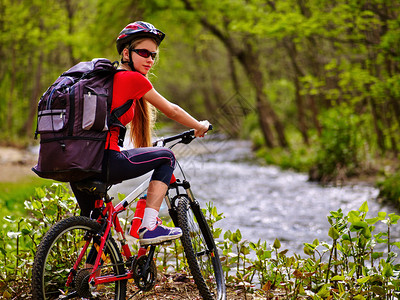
x=79, y=257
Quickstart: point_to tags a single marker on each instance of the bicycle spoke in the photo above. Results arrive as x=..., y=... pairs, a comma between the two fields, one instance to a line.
x=65, y=258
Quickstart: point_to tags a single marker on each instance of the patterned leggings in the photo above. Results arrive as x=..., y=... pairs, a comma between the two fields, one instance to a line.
x=130, y=164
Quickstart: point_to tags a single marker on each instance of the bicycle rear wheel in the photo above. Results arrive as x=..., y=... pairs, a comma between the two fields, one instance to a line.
x=59, y=251
x=201, y=252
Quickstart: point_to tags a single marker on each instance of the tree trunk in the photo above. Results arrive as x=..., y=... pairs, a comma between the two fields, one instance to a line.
x=12, y=91
x=267, y=117
x=379, y=134
x=300, y=112
x=265, y=121
x=233, y=74
x=70, y=13
x=315, y=113
x=28, y=126
x=249, y=59
x=292, y=53
x=202, y=77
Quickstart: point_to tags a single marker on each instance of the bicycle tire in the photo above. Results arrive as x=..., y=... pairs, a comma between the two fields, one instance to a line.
x=57, y=254
x=200, y=250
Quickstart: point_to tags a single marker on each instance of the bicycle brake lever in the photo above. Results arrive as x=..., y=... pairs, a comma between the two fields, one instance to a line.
x=188, y=137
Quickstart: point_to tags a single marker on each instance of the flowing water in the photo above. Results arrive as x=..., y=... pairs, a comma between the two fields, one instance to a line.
x=265, y=202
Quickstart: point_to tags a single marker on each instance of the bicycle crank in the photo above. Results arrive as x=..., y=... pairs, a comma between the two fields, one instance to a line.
x=145, y=277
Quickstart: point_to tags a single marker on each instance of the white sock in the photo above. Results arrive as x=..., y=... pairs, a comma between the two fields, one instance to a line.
x=149, y=218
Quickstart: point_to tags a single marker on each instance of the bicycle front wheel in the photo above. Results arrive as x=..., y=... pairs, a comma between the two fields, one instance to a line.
x=64, y=258
x=201, y=252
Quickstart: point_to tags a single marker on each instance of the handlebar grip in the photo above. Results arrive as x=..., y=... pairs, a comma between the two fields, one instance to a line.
x=186, y=136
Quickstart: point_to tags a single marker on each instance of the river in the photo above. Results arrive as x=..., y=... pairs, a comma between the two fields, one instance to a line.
x=265, y=202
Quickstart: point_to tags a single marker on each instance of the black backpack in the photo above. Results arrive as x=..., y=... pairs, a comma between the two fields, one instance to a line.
x=73, y=121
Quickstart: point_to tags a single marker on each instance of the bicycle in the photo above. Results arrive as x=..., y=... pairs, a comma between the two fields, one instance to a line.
x=79, y=257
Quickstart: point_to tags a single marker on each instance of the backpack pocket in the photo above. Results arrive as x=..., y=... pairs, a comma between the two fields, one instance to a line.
x=51, y=120
x=95, y=111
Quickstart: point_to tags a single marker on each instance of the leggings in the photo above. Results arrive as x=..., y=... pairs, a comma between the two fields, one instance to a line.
x=126, y=165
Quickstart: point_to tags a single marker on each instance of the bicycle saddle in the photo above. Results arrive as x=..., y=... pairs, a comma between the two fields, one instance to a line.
x=95, y=187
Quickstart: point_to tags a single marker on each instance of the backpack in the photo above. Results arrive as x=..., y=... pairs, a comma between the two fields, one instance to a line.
x=73, y=121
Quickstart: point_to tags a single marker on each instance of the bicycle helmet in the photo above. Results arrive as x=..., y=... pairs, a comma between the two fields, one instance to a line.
x=136, y=30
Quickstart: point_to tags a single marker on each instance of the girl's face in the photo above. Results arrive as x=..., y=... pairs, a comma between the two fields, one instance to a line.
x=141, y=63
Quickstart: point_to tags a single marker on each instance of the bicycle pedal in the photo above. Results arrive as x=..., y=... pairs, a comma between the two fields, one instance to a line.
x=166, y=243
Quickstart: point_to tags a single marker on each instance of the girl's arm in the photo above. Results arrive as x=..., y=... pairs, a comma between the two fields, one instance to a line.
x=175, y=112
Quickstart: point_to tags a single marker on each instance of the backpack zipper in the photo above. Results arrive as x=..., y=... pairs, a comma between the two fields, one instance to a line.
x=71, y=120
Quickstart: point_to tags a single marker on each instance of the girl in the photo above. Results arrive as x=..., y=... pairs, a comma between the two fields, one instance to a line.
x=138, y=45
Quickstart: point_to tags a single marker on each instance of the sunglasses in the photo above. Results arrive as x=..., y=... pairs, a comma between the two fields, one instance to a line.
x=145, y=53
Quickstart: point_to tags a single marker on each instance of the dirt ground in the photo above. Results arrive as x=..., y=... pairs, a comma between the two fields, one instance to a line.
x=179, y=287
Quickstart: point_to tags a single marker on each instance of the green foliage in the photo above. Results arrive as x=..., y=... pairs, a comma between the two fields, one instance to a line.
x=13, y=194
x=309, y=64
x=299, y=158
x=353, y=267
x=341, y=150
x=20, y=236
x=389, y=189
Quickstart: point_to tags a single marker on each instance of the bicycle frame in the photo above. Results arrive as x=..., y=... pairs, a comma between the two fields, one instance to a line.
x=110, y=216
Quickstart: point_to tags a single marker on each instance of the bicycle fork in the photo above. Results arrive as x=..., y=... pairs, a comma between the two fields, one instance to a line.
x=176, y=185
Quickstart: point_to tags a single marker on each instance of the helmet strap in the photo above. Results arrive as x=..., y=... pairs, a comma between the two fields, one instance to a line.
x=130, y=62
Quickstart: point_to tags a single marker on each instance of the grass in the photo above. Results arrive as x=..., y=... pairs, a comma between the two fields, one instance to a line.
x=13, y=194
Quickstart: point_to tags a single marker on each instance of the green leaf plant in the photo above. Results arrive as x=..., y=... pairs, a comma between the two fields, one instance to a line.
x=358, y=263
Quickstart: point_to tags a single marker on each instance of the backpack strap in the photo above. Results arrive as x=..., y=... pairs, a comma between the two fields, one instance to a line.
x=115, y=115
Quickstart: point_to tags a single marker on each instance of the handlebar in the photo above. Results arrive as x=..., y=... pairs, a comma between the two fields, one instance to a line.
x=185, y=138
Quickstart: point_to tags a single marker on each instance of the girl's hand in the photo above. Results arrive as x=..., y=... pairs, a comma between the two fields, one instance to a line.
x=201, y=130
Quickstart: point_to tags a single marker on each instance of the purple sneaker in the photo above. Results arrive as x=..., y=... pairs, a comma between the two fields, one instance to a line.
x=158, y=235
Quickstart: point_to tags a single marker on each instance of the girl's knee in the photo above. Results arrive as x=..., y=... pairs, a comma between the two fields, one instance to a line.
x=171, y=156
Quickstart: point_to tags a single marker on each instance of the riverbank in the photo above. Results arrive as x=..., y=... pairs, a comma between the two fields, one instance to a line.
x=17, y=181
x=16, y=164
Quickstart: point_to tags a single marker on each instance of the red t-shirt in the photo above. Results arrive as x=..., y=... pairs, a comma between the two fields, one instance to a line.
x=127, y=85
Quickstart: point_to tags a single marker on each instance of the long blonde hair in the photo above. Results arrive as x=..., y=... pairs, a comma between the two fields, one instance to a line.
x=142, y=124
x=144, y=116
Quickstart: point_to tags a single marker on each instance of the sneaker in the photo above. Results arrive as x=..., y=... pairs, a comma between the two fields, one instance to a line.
x=158, y=235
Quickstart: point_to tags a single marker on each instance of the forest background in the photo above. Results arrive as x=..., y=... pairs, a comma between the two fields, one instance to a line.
x=314, y=84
